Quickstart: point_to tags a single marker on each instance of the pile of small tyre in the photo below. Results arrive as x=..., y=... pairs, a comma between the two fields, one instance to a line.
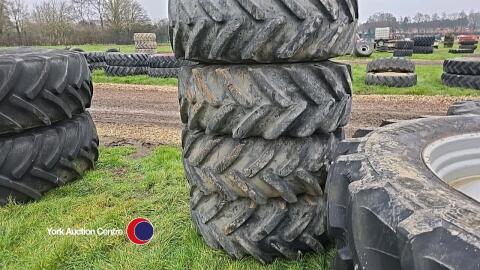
x=462, y=72
x=263, y=115
x=403, y=48
x=48, y=139
x=122, y=64
x=145, y=43
x=449, y=41
x=391, y=72
x=95, y=60
x=466, y=46
x=388, y=208
x=165, y=66
x=423, y=44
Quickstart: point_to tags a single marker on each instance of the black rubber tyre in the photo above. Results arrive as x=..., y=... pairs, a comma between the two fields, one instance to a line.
x=36, y=161
x=462, y=66
x=95, y=57
x=113, y=51
x=424, y=41
x=76, y=50
x=461, y=51
x=423, y=50
x=465, y=107
x=96, y=66
x=145, y=37
x=468, y=42
x=394, y=64
x=267, y=31
x=392, y=79
x=146, y=51
x=145, y=45
x=468, y=47
x=260, y=198
x=163, y=61
x=127, y=60
x=39, y=87
x=404, y=45
x=464, y=81
x=163, y=72
x=363, y=49
x=125, y=71
x=402, y=53
x=269, y=101
x=387, y=210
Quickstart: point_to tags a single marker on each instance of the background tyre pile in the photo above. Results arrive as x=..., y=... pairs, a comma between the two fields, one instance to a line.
x=120, y=64
x=391, y=72
x=47, y=137
x=462, y=72
x=423, y=44
x=166, y=66
x=403, y=48
x=95, y=60
x=145, y=43
x=259, y=135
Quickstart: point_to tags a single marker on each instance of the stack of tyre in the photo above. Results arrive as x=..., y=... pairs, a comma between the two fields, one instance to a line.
x=468, y=44
x=145, y=43
x=403, y=48
x=263, y=114
x=462, y=72
x=95, y=60
x=121, y=64
x=165, y=66
x=391, y=72
x=449, y=41
x=47, y=137
x=423, y=44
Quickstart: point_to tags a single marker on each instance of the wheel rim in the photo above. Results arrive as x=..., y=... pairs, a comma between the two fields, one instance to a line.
x=456, y=161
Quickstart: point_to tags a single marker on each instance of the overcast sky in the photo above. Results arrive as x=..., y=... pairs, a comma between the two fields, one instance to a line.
x=158, y=8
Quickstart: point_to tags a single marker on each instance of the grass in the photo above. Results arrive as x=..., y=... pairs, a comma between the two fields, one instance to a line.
x=122, y=188
x=100, y=77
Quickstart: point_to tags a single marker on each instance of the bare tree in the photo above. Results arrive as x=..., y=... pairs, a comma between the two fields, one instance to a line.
x=3, y=15
x=123, y=15
x=54, y=20
x=92, y=9
x=18, y=11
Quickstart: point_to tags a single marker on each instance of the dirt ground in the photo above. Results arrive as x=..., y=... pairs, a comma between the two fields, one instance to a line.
x=147, y=116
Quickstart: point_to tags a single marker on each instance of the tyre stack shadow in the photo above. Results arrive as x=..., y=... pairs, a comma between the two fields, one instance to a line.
x=263, y=114
x=47, y=138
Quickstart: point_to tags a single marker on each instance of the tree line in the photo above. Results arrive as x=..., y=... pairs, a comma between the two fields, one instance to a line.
x=69, y=22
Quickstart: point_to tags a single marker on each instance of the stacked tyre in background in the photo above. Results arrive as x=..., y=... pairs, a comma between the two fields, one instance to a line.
x=120, y=64
x=165, y=66
x=47, y=137
x=462, y=72
x=145, y=43
x=423, y=44
x=259, y=135
x=391, y=72
x=449, y=41
x=403, y=48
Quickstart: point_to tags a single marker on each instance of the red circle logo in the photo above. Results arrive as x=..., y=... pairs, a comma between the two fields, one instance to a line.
x=140, y=231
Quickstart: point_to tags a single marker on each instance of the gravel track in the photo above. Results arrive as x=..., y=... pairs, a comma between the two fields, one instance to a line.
x=149, y=115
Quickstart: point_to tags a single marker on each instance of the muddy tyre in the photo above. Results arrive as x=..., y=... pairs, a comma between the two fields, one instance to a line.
x=269, y=101
x=465, y=107
x=461, y=51
x=145, y=37
x=404, y=45
x=468, y=47
x=464, y=81
x=462, y=66
x=163, y=72
x=394, y=64
x=391, y=79
x=267, y=31
x=125, y=71
x=424, y=41
x=402, y=53
x=164, y=61
x=388, y=210
x=363, y=49
x=127, y=60
x=39, y=87
x=423, y=50
x=39, y=160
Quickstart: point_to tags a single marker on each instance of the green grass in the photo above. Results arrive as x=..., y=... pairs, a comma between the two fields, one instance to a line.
x=100, y=77
x=122, y=188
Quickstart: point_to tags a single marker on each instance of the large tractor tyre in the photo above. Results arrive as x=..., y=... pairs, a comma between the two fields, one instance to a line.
x=423, y=50
x=94, y=57
x=77, y=50
x=391, y=79
x=163, y=72
x=465, y=107
x=461, y=51
x=269, y=101
x=404, y=45
x=165, y=61
x=388, y=210
x=462, y=66
x=36, y=161
x=39, y=87
x=145, y=45
x=96, y=66
x=276, y=229
x=464, y=81
x=468, y=42
x=363, y=49
x=394, y=64
x=426, y=41
x=468, y=47
x=256, y=168
x=145, y=37
x=402, y=53
x=146, y=51
x=125, y=71
x=127, y=60
x=267, y=31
